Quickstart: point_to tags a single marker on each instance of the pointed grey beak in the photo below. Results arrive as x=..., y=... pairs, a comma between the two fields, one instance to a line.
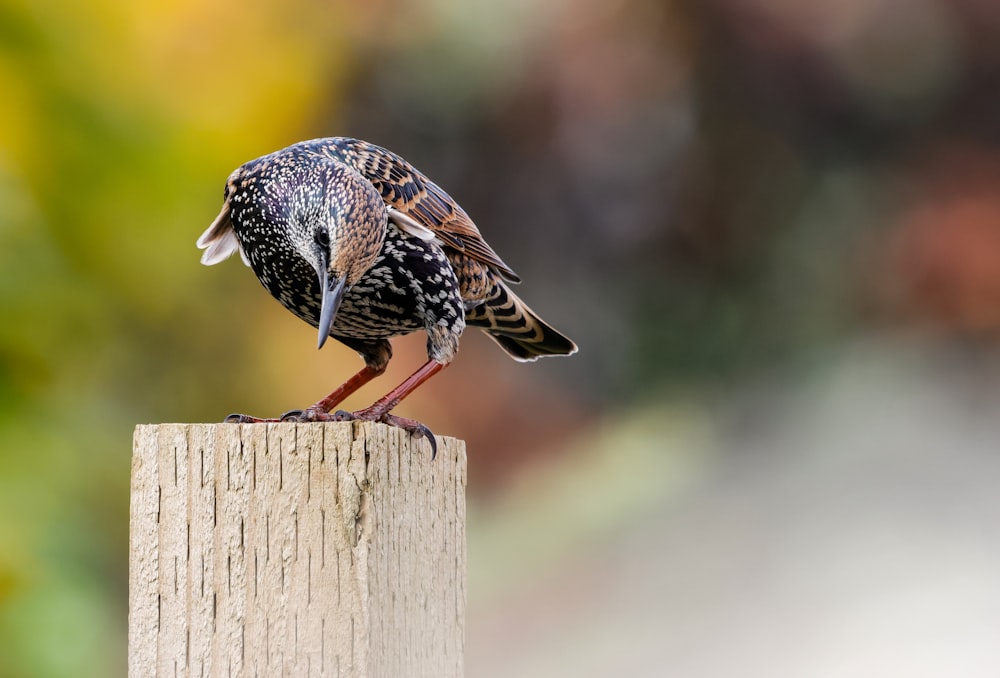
x=333, y=293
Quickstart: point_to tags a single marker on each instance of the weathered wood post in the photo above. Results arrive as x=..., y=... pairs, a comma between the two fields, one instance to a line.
x=333, y=549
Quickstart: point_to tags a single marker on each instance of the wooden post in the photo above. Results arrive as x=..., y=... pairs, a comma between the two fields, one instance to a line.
x=333, y=549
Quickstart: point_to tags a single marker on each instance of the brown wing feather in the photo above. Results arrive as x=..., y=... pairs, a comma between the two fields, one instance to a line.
x=408, y=190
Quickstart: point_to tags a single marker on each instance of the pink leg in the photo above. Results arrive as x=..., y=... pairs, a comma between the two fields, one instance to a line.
x=317, y=412
x=383, y=405
x=379, y=410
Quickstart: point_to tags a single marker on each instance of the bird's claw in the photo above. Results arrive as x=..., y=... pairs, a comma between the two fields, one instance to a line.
x=299, y=416
x=244, y=419
x=414, y=428
x=310, y=414
x=411, y=426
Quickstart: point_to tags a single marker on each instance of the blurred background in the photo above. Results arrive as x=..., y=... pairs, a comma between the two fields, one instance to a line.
x=772, y=227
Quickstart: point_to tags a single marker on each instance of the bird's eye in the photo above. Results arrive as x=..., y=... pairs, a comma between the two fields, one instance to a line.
x=323, y=237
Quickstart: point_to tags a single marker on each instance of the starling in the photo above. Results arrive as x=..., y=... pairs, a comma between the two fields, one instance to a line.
x=358, y=243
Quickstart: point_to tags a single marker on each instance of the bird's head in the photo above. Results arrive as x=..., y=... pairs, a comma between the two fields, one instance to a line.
x=338, y=224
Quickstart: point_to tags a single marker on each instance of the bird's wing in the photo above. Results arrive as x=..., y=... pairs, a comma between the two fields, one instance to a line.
x=414, y=198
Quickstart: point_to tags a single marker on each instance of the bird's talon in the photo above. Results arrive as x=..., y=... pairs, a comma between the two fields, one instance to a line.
x=292, y=415
x=343, y=415
x=433, y=441
x=414, y=428
x=239, y=419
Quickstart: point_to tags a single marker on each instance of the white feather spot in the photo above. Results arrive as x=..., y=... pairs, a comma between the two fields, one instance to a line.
x=409, y=225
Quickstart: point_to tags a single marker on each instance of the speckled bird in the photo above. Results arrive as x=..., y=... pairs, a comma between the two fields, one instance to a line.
x=358, y=243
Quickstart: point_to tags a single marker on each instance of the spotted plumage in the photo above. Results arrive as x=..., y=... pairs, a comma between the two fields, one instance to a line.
x=354, y=240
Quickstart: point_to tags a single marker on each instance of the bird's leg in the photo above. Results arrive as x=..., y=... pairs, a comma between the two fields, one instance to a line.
x=379, y=410
x=317, y=412
x=383, y=405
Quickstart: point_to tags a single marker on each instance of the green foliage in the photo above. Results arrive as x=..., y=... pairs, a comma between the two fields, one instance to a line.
x=120, y=127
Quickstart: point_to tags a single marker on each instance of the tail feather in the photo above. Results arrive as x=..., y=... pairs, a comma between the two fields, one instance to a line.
x=219, y=239
x=516, y=328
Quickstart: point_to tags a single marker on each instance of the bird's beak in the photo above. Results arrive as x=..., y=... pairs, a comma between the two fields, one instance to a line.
x=333, y=293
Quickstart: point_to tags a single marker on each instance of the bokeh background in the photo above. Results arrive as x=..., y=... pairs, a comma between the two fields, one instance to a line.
x=773, y=228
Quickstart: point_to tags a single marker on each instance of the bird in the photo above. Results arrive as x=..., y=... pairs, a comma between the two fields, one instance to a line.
x=354, y=240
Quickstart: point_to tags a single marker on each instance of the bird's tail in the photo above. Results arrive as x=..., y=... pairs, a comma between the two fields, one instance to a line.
x=519, y=331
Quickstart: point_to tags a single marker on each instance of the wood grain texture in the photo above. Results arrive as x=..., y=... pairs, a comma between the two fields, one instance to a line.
x=333, y=549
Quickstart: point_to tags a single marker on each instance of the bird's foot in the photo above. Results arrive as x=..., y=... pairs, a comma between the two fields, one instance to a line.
x=411, y=426
x=309, y=414
x=301, y=416
x=246, y=419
